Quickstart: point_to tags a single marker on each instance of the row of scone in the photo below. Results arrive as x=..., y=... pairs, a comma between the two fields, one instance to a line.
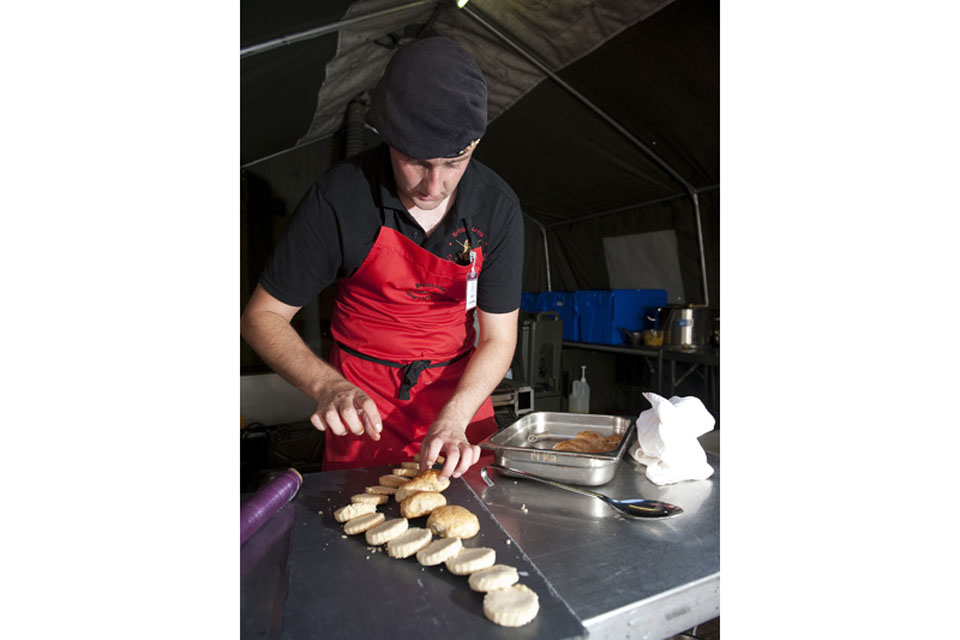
x=506, y=603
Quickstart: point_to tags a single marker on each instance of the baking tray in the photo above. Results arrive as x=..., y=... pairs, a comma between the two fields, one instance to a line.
x=527, y=445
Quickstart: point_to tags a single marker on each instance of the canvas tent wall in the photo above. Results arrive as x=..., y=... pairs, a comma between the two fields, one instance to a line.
x=604, y=118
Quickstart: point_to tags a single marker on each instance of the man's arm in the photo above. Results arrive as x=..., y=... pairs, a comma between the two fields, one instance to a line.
x=265, y=325
x=487, y=366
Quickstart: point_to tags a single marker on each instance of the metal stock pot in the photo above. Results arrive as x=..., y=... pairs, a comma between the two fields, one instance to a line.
x=686, y=326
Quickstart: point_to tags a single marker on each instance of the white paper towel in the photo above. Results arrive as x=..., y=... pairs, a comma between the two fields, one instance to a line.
x=667, y=439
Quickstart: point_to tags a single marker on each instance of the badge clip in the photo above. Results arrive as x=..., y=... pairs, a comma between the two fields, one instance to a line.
x=471, y=301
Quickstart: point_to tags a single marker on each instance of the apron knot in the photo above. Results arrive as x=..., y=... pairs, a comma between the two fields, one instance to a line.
x=411, y=373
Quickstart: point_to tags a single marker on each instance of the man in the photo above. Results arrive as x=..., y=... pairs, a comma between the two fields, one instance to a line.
x=419, y=237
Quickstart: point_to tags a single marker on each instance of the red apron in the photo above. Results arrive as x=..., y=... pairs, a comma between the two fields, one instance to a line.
x=403, y=304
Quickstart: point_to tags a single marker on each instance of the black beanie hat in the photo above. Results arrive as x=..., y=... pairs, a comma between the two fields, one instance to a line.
x=431, y=101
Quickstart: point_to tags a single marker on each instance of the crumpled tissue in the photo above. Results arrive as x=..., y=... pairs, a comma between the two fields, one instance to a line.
x=667, y=439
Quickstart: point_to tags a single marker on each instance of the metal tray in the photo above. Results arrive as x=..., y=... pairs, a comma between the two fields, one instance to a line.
x=523, y=446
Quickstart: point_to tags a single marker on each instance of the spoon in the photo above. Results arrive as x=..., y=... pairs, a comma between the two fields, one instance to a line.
x=630, y=507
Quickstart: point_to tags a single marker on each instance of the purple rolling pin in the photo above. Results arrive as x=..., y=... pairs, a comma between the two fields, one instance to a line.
x=255, y=512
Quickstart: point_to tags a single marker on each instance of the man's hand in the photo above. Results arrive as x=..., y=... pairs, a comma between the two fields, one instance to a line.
x=265, y=325
x=342, y=406
x=449, y=439
x=447, y=434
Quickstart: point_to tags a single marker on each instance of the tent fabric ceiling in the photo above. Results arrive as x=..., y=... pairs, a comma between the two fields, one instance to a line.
x=651, y=65
x=333, y=69
x=557, y=33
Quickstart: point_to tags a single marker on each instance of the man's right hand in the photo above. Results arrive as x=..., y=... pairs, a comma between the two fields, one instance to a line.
x=342, y=407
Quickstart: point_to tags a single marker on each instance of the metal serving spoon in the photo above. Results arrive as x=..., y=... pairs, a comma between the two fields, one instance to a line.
x=630, y=507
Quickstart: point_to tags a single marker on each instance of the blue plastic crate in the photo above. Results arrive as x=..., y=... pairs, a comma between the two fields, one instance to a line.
x=630, y=308
x=528, y=302
x=563, y=304
x=601, y=313
x=594, y=311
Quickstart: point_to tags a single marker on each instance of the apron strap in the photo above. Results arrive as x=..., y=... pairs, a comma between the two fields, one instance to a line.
x=411, y=370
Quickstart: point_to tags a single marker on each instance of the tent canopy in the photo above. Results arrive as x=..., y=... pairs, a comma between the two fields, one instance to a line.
x=603, y=115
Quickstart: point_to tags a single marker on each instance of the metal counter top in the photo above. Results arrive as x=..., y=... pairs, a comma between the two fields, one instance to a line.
x=639, y=579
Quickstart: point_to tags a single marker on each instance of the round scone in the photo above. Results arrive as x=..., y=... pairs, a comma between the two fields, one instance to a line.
x=387, y=531
x=470, y=560
x=390, y=480
x=403, y=472
x=370, y=498
x=429, y=480
x=411, y=465
x=363, y=523
x=512, y=606
x=439, y=551
x=496, y=577
x=453, y=521
x=409, y=542
x=353, y=510
x=381, y=490
x=421, y=503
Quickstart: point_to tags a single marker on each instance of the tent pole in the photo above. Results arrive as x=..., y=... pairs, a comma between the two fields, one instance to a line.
x=601, y=214
x=296, y=147
x=546, y=248
x=325, y=29
x=703, y=260
x=470, y=11
x=639, y=205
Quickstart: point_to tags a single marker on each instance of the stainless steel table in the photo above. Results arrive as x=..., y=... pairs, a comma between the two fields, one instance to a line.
x=638, y=579
x=704, y=362
x=647, y=353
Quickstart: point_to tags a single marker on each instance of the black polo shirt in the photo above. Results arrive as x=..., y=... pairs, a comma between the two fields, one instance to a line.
x=338, y=220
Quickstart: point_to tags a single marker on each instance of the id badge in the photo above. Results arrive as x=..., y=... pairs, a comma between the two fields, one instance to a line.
x=472, y=284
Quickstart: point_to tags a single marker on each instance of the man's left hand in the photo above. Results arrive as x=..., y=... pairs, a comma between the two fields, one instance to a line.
x=448, y=439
